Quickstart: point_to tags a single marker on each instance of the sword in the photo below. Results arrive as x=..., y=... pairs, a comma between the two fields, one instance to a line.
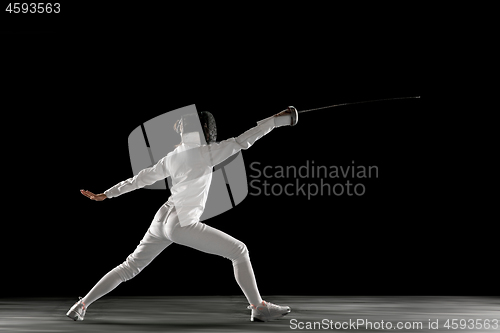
x=295, y=113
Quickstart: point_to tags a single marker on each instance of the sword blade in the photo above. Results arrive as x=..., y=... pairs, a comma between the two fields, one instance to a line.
x=373, y=100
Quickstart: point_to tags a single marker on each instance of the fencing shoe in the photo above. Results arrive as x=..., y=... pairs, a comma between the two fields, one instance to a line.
x=77, y=311
x=268, y=311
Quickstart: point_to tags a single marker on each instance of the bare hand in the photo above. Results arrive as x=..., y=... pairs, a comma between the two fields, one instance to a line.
x=95, y=197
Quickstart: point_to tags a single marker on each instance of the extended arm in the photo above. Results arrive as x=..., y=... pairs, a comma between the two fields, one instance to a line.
x=218, y=152
x=145, y=177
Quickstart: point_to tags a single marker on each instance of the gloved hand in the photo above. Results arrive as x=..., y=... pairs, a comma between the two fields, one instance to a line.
x=283, y=113
x=286, y=117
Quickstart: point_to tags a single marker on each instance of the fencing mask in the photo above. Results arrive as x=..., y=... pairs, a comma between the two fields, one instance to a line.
x=191, y=123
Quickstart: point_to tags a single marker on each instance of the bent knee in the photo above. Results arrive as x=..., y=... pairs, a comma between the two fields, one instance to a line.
x=128, y=269
x=241, y=253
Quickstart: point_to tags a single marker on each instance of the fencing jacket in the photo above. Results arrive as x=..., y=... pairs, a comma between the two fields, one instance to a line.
x=190, y=168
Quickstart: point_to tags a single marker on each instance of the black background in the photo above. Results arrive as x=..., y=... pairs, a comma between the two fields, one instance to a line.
x=80, y=82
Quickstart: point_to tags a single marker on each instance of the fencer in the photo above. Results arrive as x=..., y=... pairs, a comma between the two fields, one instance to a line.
x=177, y=221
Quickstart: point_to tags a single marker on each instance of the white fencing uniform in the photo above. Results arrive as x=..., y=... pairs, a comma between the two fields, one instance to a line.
x=190, y=168
x=177, y=221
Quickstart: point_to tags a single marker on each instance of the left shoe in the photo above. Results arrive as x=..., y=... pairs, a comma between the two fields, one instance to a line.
x=268, y=311
x=77, y=311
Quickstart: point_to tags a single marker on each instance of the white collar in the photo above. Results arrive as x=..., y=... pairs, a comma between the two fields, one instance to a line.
x=191, y=137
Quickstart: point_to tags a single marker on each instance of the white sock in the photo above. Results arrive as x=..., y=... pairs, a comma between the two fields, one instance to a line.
x=245, y=277
x=108, y=282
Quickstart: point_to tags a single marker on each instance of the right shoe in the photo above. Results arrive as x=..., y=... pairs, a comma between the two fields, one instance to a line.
x=77, y=311
x=268, y=311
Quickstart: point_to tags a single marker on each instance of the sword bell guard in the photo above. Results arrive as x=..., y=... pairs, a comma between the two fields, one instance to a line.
x=295, y=115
